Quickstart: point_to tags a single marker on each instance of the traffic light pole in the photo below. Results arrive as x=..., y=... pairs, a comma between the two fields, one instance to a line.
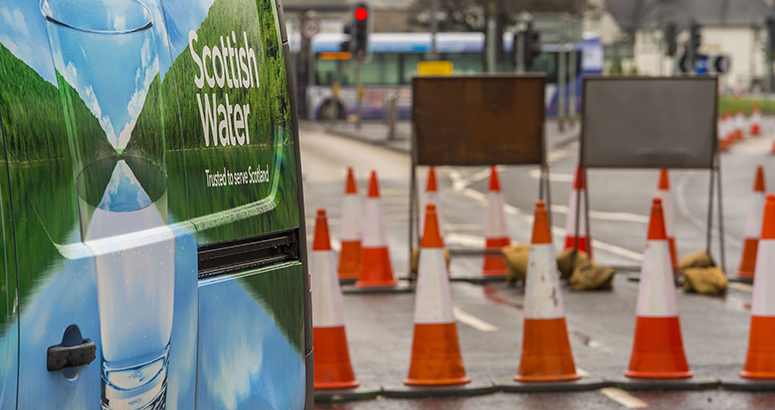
x=519, y=48
x=359, y=98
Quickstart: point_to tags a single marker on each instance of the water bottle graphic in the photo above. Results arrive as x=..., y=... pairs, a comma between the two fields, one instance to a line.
x=109, y=81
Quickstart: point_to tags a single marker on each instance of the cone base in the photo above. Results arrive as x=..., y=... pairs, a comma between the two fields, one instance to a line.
x=333, y=369
x=657, y=352
x=565, y=378
x=436, y=358
x=546, y=353
x=441, y=382
x=342, y=385
x=376, y=270
x=350, y=260
x=659, y=375
x=760, y=360
x=495, y=265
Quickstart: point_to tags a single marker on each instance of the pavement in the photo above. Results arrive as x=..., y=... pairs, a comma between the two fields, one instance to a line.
x=600, y=324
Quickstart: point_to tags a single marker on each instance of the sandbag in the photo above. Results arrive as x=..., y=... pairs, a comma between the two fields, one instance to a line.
x=698, y=259
x=588, y=275
x=705, y=281
x=516, y=257
x=568, y=260
x=415, y=262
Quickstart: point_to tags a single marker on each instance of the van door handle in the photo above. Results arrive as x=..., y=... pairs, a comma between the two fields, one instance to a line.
x=69, y=354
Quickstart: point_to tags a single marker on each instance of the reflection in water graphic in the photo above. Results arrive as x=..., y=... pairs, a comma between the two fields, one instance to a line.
x=135, y=277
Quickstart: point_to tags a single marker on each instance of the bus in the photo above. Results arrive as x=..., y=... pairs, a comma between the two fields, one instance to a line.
x=394, y=56
x=151, y=208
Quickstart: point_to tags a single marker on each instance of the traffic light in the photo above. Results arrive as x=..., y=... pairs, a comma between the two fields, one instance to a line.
x=361, y=28
x=695, y=40
x=670, y=39
x=345, y=46
x=532, y=44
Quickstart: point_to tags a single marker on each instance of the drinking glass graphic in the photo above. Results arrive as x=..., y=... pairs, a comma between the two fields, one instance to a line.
x=107, y=70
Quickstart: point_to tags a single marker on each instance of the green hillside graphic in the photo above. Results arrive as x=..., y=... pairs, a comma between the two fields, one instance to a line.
x=34, y=118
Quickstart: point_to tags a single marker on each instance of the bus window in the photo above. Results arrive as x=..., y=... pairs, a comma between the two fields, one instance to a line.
x=410, y=66
x=466, y=63
x=390, y=65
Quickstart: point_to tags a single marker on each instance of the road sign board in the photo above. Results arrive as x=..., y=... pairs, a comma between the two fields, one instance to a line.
x=435, y=68
x=336, y=55
x=310, y=27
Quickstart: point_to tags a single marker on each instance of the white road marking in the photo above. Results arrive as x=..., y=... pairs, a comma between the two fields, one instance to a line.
x=536, y=173
x=741, y=286
x=699, y=222
x=622, y=397
x=610, y=216
x=512, y=210
x=473, y=321
x=581, y=372
x=468, y=241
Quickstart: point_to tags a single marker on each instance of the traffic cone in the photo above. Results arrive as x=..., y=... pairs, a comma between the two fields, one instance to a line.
x=585, y=241
x=731, y=128
x=753, y=228
x=663, y=193
x=436, y=358
x=432, y=197
x=546, y=353
x=376, y=270
x=739, y=124
x=760, y=361
x=657, y=350
x=721, y=129
x=332, y=358
x=756, y=120
x=350, y=255
x=496, y=231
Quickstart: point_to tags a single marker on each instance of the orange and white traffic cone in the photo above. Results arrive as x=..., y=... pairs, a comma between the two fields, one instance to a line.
x=332, y=358
x=657, y=350
x=756, y=120
x=350, y=255
x=432, y=197
x=731, y=128
x=753, y=228
x=546, y=353
x=496, y=231
x=663, y=192
x=436, y=358
x=721, y=130
x=760, y=361
x=739, y=124
x=376, y=269
x=585, y=241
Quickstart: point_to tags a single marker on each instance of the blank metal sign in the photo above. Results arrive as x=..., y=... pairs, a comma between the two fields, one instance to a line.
x=479, y=120
x=649, y=122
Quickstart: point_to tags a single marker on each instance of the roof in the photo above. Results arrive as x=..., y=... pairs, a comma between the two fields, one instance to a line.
x=375, y=4
x=632, y=14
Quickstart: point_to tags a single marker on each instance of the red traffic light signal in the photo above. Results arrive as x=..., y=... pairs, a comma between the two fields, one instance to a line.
x=361, y=14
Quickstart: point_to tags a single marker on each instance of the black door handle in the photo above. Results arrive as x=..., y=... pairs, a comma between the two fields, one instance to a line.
x=74, y=351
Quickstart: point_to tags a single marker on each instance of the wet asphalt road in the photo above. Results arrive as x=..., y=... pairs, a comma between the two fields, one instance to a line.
x=379, y=327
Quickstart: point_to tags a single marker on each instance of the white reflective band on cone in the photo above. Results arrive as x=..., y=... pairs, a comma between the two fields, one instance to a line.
x=374, y=229
x=495, y=224
x=351, y=218
x=327, y=308
x=570, y=221
x=543, y=295
x=656, y=292
x=753, y=223
x=667, y=211
x=763, y=299
x=433, y=303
